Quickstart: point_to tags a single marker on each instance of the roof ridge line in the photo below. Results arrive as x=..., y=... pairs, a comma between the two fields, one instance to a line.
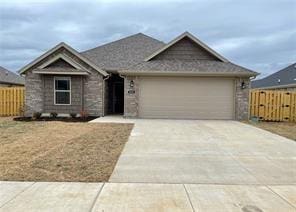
x=121, y=39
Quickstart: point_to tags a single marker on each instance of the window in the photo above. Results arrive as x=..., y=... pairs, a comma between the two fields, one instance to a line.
x=62, y=90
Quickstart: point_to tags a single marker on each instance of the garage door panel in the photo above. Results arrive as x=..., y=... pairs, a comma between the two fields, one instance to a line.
x=178, y=113
x=196, y=98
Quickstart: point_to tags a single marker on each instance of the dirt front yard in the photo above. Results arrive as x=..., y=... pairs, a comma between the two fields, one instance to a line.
x=286, y=129
x=59, y=151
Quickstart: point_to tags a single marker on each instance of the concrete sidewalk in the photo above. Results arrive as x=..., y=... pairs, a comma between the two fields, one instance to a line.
x=129, y=197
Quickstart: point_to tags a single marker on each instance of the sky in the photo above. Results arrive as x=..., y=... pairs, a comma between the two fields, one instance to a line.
x=257, y=34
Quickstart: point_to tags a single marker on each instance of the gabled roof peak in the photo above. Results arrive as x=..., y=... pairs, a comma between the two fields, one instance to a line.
x=195, y=40
x=123, y=40
x=123, y=53
x=68, y=48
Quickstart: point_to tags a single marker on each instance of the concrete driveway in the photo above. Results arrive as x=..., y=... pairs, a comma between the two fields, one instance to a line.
x=205, y=152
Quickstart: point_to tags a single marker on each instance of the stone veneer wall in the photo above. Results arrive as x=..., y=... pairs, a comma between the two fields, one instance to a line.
x=131, y=99
x=242, y=99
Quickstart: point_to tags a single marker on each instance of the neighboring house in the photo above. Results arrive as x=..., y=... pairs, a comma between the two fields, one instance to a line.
x=10, y=79
x=139, y=76
x=284, y=79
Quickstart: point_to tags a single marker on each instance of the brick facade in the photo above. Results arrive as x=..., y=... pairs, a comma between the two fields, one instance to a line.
x=93, y=94
x=33, y=93
x=39, y=95
x=131, y=97
x=242, y=99
x=39, y=88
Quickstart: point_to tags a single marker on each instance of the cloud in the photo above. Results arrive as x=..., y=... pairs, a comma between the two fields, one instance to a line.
x=256, y=34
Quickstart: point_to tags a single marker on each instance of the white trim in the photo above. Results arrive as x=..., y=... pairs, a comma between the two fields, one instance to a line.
x=70, y=49
x=65, y=58
x=194, y=39
x=54, y=89
x=61, y=72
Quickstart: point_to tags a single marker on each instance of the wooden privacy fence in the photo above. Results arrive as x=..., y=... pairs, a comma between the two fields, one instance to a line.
x=270, y=105
x=12, y=101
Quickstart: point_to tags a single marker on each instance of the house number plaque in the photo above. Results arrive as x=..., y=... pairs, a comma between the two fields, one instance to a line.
x=131, y=91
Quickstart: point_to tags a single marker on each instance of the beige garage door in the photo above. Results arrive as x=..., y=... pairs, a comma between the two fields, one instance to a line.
x=189, y=98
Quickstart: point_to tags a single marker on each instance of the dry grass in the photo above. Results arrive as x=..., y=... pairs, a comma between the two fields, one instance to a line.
x=286, y=129
x=59, y=151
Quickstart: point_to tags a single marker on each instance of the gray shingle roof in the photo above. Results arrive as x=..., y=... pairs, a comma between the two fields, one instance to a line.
x=283, y=77
x=128, y=55
x=123, y=53
x=197, y=66
x=9, y=77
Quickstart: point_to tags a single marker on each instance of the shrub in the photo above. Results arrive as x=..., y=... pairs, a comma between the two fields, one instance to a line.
x=53, y=115
x=83, y=114
x=37, y=115
x=73, y=115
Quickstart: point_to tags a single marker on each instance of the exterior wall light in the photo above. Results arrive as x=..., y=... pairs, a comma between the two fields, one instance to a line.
x=243, y=85
x=132, y=84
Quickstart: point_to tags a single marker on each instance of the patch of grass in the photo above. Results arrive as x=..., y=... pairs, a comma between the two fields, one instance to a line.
x=286, y=129
x=59, y=151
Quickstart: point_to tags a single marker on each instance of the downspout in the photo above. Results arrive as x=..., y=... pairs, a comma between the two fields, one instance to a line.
x=103, y=94
x=249, y=99
x=43, y=100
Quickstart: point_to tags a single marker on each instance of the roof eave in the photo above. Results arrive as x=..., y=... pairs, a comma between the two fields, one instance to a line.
x=73, y=51
x=61, y=72
x=185, y=73
x=11, y=83
x=276, y=86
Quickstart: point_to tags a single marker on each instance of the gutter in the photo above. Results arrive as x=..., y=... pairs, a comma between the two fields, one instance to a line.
x=12, y=83
x=182, y=73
